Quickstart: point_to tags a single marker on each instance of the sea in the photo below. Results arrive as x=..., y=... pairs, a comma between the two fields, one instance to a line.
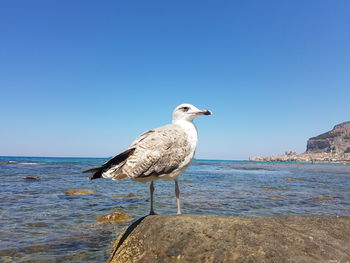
x=39, y=222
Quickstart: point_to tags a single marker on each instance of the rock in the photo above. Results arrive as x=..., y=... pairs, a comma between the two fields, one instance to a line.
x=80, y=192
x=41, y=248
x=267, y=188
x=115, y=217
x=290, y=179
x=125, y=196
x=273, y=198
x=38, y=224
x=202, y=238
x=320, y=198
x=32, y=178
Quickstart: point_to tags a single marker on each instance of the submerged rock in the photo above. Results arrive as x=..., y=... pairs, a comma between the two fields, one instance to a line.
x=268, y=188
x=126, y=196
x=38, y=224
x=320, y=198
x=80, y=192
x=199, y=238
x=290, y=179
x=31, y=178
x=41, y=248
x=273, y=198
x=115, y=217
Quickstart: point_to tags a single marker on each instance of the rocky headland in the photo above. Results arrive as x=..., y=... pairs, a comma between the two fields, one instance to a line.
x=331, y=147
x=204, y=238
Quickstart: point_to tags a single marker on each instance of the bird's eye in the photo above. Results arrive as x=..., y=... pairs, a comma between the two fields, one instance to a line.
x=184, y=109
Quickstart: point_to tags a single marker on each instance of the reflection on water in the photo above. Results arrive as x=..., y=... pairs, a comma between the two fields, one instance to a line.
x=40, y=223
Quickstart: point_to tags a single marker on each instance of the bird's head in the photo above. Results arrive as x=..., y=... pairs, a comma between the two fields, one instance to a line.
x=188, y=112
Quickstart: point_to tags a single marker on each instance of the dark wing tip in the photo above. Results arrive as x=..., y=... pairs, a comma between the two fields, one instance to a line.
x=93, y=170
x=97, y=172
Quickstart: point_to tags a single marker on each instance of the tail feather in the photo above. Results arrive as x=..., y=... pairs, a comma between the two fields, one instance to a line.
x=98, y=171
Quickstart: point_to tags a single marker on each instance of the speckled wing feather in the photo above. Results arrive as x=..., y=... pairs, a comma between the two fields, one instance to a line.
x=157, y=152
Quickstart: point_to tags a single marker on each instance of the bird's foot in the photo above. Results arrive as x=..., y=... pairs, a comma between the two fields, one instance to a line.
x=152, y=213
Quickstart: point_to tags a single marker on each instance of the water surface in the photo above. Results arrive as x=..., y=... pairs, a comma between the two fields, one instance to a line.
x=40, y=223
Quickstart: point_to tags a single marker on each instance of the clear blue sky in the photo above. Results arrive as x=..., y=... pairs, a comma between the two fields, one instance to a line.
x=85, y=78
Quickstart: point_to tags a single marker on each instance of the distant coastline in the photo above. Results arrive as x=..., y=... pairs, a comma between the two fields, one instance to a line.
x=330, y=147
x=305, y=158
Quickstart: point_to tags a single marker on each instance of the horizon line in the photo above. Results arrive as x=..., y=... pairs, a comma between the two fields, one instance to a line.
x=82, y=157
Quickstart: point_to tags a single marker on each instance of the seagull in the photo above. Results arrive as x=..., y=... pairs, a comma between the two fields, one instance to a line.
x=161, y=153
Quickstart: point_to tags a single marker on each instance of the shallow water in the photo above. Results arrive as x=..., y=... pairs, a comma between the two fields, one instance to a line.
x=40, y=223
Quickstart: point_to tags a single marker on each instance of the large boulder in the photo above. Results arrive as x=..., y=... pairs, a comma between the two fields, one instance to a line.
x=200, y=238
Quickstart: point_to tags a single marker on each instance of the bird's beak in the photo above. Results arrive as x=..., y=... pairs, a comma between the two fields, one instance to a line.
x=204, y=112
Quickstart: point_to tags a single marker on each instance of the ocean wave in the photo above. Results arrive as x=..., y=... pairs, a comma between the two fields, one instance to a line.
x=19, y=163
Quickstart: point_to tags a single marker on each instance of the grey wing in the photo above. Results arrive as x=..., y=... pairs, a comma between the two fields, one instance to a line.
x=159, y=151
x=141, y=138
x=114, y=169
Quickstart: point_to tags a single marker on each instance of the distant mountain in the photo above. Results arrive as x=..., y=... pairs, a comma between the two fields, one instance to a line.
x=330, y=147
x=336, y=140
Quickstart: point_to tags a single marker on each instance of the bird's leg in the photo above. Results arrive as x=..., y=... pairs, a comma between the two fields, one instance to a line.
x=151, y=189
x=177, y=193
